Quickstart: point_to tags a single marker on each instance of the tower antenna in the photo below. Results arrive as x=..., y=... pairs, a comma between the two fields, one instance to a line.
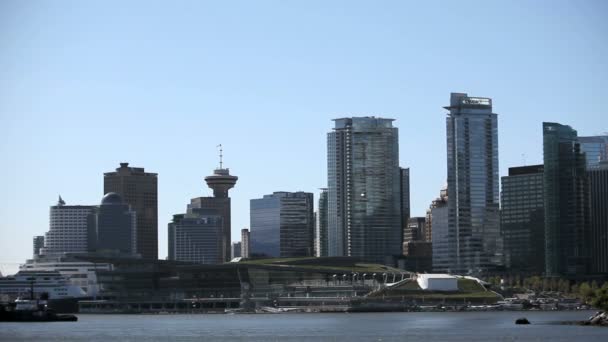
x=221, y=156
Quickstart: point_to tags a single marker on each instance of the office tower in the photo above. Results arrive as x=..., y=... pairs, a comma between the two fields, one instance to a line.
x=566, y=203
x=522, y=219
x=245, y=244
x=38, y=243
x=598, y=185
x=221, y=181
x=196, y=237
x=404, y=177
x=112, y=227
x=282, y=225
x=414, y=230
x=443, y=244
x=321, y=234
x=595, y=148
x=364, y=197
x=139, y=189
x=67, y=229
x=236, y=250
x=473, y=208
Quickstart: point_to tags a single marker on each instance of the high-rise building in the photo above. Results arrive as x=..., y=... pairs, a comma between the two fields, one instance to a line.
x=566, y=202
x=414, y=230
x=221, y=181
x=67, y=229
x=522, y=219
x=202, y=235
x=236, y=250
x=139, y=189
x=364, y=195
x=196, y=237
x=472, y=159
x=595, y=148
x=38, y=244
x=282, y=225
x=437, y=225
x=245, y=244
x=404, y=176
x=112, y=227
x=598, y=185
x=321, y=231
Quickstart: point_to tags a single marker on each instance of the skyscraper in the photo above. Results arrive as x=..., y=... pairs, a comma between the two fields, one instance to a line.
x=598, y=185
x=236, y=250
x=139, y=189
x=67, y=229
x=473, y=208
x=321, y=233
x=522, y=219
x=595, y=148
x=282, y=225
x=364, y=197
x=112, y=227
x=245, y=244
x=404, y=176
x=203, y=234
x=38, y=244
x=443, y=244
x=566, y=204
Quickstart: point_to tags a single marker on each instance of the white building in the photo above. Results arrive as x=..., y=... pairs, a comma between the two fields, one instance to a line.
x=67, y=229
x=437, y=282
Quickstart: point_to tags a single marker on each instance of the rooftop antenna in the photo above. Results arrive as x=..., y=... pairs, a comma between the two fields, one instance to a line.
x=221, y=156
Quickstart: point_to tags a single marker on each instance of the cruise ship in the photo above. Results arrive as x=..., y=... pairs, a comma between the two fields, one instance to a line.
x=51, y=282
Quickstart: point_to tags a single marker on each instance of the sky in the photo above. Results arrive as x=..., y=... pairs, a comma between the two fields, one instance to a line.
x=85, y=85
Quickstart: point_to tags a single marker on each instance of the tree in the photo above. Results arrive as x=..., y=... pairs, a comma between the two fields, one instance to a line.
x=585, y=291
x=600, y=300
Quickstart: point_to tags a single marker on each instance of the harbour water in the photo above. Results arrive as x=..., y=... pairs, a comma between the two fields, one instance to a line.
x=413, y=326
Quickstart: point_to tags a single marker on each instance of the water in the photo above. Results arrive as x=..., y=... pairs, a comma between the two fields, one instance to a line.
x=343, y=327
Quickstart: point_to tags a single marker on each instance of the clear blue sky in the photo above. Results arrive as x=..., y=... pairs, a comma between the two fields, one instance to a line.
x=85, y=85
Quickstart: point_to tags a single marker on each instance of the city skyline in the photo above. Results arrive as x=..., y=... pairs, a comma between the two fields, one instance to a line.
x=48, y=142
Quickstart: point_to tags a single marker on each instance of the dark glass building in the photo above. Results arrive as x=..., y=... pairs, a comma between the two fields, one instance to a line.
x=595, y=148
x=437, y=226
x=566, y=202
x=404, y=176
x=112, y=227
x=598, y=185
x=322, y=224
x=282, y=225
x=473, y=207
x=364, y=190
x=139, y=189
x=196, y=237
x=522, y=219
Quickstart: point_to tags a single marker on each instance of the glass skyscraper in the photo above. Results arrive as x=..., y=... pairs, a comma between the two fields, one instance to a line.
x=598, y=185
x=473, y=207
x=566, y=202
x=522, y=219
x=364, y=197
x=282, y=225
x=321, y=229
x=595, y=148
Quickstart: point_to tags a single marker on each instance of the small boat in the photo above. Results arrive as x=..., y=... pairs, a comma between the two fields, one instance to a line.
x=29, y=310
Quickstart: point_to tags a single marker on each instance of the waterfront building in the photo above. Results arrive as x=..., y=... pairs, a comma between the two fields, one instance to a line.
x=404, y=177
x=38, y=244
x=595, y=148
x=442, y=242
x=245, y=244
x=364, y=195
x=282, y=225
x=566, y=202
x=196, y=237
x=112, y=227
x=139, y=189
x=321, y=228
x=522, y=219
x=413, y=231
x=67, y=229
x=236, y=250
x=598, y=185
x=472, y=160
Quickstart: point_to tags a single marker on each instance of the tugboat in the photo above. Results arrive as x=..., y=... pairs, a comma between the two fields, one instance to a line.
x=32, y=310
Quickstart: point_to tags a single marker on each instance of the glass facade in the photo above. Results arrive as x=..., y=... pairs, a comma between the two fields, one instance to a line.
x=566, y=211
x=443, y=244
x=364, y=189
x=321, y=233
x=195, y=237
x=473, y=207
x=522, y=219
x=112, y=227
x=598, y=184
x=595, y=148
x=282, y=225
